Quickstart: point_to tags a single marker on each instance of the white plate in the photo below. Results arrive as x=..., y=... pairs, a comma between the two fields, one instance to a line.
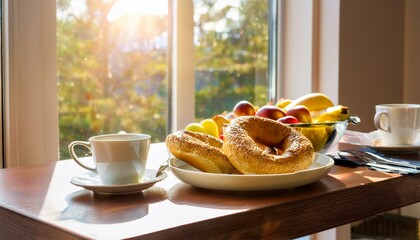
x=254, y=182
x=91, y=181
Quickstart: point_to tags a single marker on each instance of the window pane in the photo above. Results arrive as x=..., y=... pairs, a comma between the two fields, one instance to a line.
x=111, y=68
x=231, y=54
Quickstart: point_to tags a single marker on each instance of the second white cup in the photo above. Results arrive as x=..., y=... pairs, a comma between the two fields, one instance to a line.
x=398, y=124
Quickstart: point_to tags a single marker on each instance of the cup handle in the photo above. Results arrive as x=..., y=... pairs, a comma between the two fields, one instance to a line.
x=72, y=145
x=377, y=121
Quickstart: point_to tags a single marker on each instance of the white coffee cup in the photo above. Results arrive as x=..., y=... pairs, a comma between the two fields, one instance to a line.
x=118, y=158
x=398, y=124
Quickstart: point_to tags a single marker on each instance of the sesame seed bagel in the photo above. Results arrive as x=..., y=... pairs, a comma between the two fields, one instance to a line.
x=244, y=136
x=199, y=150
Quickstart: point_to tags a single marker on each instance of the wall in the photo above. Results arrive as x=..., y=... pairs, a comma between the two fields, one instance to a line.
x=371, y=56
x=412, y=71
x=412, y=52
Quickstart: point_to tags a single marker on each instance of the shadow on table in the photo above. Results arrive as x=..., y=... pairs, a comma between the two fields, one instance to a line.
x=85, y=206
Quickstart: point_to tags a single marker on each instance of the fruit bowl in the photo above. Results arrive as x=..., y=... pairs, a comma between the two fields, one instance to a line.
x=324, y=136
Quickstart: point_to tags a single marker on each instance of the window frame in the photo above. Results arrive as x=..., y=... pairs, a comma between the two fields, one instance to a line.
x=1, y=85
x=182, y=97
x=30, y=90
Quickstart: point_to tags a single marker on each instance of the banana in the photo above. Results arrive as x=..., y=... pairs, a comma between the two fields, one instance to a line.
x=313, y=101
x=334, y=114
x=318, y=135
x=282, y=103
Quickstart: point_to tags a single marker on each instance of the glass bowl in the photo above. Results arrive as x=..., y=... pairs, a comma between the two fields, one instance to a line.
x=324, y=136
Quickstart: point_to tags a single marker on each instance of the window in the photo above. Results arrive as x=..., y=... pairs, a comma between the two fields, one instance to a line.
x=112, y=63
x=31, y=132
x=231, y=40
x=112, y=68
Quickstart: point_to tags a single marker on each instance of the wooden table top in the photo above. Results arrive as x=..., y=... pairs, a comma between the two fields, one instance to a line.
x=41, y=203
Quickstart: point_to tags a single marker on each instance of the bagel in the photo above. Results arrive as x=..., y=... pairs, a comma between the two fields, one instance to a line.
x=244, y=136
x=200, y=150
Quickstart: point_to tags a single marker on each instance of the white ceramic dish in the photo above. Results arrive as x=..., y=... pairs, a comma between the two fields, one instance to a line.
x=91, y=181
x=255, y=182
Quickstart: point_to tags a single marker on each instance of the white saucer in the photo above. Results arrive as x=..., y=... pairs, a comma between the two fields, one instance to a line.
x=91, y=181
x=396, y=149
x=378, y=145
x=252, y=182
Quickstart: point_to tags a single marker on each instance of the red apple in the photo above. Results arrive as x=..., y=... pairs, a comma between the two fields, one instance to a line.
x=301, y=113
x=288, y=120
x=270, y=111
x=244, y=108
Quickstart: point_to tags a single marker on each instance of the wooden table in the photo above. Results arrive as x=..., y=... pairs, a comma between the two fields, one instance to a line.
x=40, y=203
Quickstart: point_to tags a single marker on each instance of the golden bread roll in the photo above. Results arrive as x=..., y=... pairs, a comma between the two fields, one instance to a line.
x=200, y=150
x=244, y=136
